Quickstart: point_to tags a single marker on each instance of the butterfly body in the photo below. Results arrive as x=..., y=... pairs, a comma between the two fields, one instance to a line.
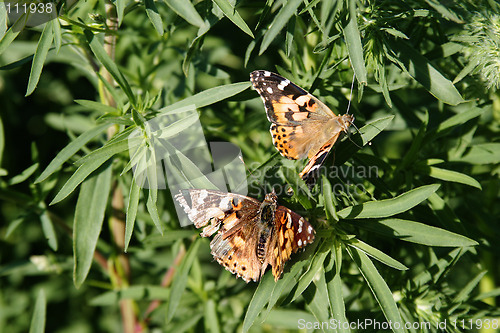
x=250, y=235
x=301, y=125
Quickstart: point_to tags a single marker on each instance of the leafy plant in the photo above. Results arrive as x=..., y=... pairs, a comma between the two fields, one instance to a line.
x=406, y=214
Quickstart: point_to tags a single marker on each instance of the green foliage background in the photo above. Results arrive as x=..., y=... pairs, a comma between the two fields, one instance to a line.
x=418, y=246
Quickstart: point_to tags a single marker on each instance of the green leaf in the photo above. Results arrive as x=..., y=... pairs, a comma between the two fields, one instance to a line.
x=90, y=163
x=419, y=68
x=316, y=266
x=449, y=176
x=39, y=314
x=482, y=153
x=209, y=96
x=89, y=216
x=439, y=268
x=108, y=63
x=93, y=105
x=133, y=203
x=39, y=58
x=353, y=41
x=231, y=13
x=379, y=288
x=12, y=33
x=180, y=279
x=153, y=211
x=288, y=278
x=336, y=299
x=70, y=150
x=460, y=118
x=48, y=230
x=120, y=9
x=465, y=292
x=56, y=28
x=376, y=254
x=259, y=299
x=286, y=12
x=25, y=174
x=329, y=198
x=210, y=318
x=186, y=10
x=415, y=232
x=318, y=305
x=154, y=16
x=3, y=21
x=389, y=207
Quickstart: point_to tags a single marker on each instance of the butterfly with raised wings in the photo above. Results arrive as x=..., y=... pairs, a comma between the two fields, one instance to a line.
x=250, y=235
x=301, y=125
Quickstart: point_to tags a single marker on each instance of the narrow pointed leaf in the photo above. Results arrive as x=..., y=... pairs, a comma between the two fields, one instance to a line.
x=450, y=176
x=379, y=288
x=180, y=279
x=424, y=73
x=48, y=230
x=91, y=162
x=12, y=33
x=89, y=216
x=154, y=16
x=39, y=58
x=133, y=203
x=460, y=118
x=465, y=293
x=354, y=47
x=415, y=232
x=70, y=150
x=307, y=278
x=389, y=207
x=209, y=96
x=286, y=12
x=186, y=10
x=260, y=298
x=39, y=314
x=376, y=254
x=231, y=13
x=336, y=299
x=109, y=64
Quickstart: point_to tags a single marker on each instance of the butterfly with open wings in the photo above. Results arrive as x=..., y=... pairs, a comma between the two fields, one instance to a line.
x=301, y=125
x=250, y=234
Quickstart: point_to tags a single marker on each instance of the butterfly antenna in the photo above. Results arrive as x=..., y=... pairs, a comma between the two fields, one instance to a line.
x=349, y=106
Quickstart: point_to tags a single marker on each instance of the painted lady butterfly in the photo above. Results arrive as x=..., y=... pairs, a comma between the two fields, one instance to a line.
x=250, y=234
x=302, y=125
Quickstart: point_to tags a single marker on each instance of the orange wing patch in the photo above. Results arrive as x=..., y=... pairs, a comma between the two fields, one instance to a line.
x=284, y=138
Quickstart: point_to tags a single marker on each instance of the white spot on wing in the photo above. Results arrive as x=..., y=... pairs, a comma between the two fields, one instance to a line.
x=299, y=243
x=310, y=229
x=202, y=196
x=289, y=222
x=283, y=84
x=300, y=226
x=269, y=90
x=225, y=203
x=266, y=73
